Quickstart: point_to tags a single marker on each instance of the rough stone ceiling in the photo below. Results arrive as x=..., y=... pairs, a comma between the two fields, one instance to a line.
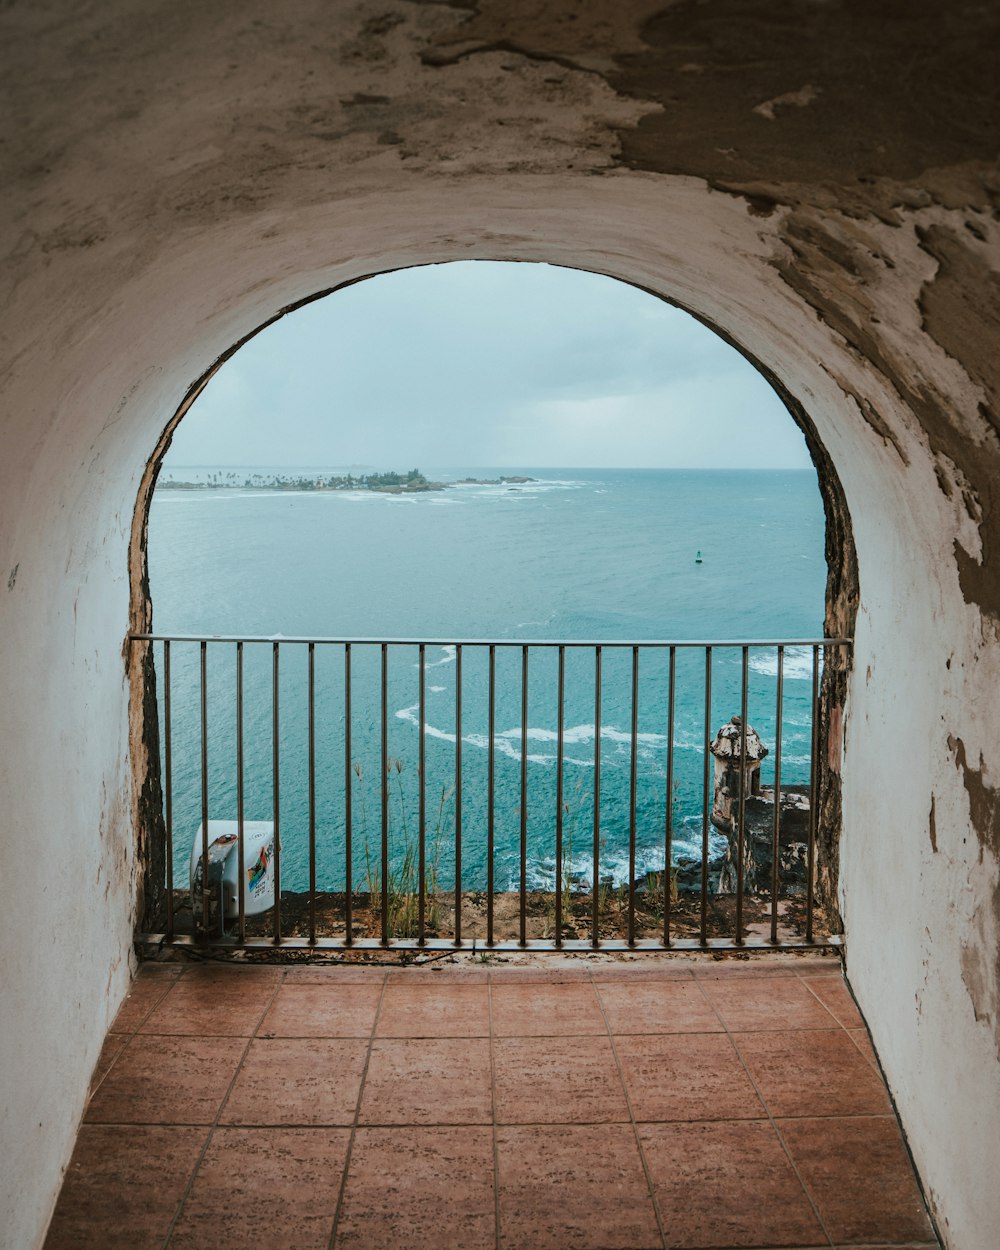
x=869, y=107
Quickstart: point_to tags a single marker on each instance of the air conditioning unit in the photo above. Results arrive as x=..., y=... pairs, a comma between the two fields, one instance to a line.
x=224, y=882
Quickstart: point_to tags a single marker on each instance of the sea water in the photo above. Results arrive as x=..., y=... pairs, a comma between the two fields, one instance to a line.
x=603, y=555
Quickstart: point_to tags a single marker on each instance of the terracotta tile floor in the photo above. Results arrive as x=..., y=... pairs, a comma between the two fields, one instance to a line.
x=661, y=1102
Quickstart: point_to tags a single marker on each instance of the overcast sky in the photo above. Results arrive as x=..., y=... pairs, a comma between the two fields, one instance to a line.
x=488, y=364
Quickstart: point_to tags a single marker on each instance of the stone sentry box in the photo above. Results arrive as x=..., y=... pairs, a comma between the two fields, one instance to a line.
x=758, y=814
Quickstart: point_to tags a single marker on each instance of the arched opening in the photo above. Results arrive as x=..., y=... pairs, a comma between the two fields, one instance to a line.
x=727, y=292
x=898, y=530
x=839, y=608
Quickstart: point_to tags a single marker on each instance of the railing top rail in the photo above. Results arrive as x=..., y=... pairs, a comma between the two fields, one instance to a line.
x=498, y=642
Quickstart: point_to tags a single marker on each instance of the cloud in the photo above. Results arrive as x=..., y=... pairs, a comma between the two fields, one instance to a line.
x=483, y=363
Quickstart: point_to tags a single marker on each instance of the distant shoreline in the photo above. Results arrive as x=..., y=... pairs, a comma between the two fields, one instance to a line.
x=387, y=483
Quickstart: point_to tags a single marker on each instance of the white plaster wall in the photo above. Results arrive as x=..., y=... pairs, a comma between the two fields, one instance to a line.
x=103, y=349
x=66, y=880
x=917, y=903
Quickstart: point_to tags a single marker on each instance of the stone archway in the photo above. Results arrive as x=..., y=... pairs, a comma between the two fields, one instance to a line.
x=840, y=611
x=179, y=174
x=719, y=266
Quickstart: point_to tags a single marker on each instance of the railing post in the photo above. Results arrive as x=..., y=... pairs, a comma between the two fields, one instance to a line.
x=204, y=786
x=491, y=795
x=458, y=794
x=706, y=796
x=741, y=814
x=813, y=797
x=560, y=748
x=633, y=761
x=669, y=820
x=348, y=806
x=595, y=935
x=168, y=794
x=776, y=831
x=312, y=793
x=422, y=799
x=523, y=899
x=385, y=794
x=276, y=790
x=240, y=837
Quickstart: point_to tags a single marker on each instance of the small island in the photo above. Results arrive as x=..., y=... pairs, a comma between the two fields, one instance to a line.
x=493, y=481
x=388, y=483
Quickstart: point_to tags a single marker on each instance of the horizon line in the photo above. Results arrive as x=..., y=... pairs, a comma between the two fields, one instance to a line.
x=626, y=468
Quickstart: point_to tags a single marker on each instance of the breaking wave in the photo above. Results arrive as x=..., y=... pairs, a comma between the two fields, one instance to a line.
x=798, y=664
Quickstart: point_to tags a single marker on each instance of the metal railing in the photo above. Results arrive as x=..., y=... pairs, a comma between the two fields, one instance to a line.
x=301, y=730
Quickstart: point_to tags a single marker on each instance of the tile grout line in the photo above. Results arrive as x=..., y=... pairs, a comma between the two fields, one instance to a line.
x=339, y=1209
x=774, y=1125
x=829, y=1010
x=894, y=1109
x=129, y=1035
x=277, y=983
x=650, y=1187
x=126, y=1125
x=893, y=1112
x=493, y=1109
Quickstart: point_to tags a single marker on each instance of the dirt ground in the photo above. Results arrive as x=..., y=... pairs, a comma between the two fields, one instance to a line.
x=685, y=916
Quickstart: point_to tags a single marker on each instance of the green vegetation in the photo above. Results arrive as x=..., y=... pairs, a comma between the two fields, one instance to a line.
x=403, y=893
x=389, y=482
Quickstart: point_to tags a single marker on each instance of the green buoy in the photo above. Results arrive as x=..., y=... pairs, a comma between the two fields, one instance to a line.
x=697, y=557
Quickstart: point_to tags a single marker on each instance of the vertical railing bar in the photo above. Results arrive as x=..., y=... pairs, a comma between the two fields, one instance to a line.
x=204, y=785
x=276, y=790
x=813, y=797
x=523, y=894
x=706, y=796
x=458, y=794
x=240, y=806
x=595, y=938
x=348, y=806
x=633, y=759
x=560, y=750
x=168, y=794
x=491, y=796
x=669, y=820
x=312, y=794
x=384, y=906
x=742, y=809
x=422, y=797
x=776, y=832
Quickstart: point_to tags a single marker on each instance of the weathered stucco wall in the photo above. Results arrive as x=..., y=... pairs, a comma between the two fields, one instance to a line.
x=176, y=173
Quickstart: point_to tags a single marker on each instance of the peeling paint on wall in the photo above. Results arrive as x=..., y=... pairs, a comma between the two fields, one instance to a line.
x=980, y=948
x=961, y=312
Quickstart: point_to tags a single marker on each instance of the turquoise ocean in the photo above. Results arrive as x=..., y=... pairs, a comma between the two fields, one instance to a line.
x=579, y=554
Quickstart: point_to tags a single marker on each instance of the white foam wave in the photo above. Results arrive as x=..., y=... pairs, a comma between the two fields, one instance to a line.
x=447, y=658
x=543, y=624
x=411, y=715
x=505, y=747
x=613, y=870
x=575, y=734
x=507, y=741
x=798, y=665
x=506, y=490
